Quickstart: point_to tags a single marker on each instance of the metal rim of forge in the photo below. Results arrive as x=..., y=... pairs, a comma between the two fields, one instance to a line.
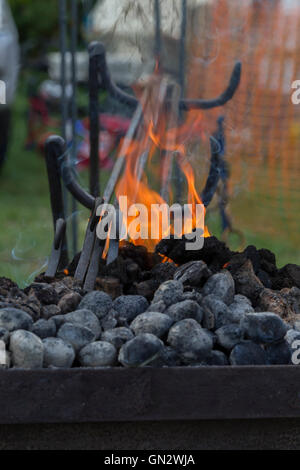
x=149, y=394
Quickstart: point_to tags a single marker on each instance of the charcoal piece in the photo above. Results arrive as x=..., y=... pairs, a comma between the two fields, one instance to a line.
x=267, y=255
x=69, y=302
x=98, y=354
x=85, y=318
x=194, y=273
x=185, y=309
x=27, y=350
x=246, y=282
x=58, y=353
x=220, y=285
x=252, y=253
x=264, y=278
x=98, y=302
x=214, y=252
x=216, y=313
x=139, y=255
x=117, y=336
x=110, y=285
x=49, y=311
x=45, y=293
x=141, y=350
x=78, y=336
x=156, y=323
x=117, y=269
x=110, y=320
x=274, y=301
x=191, y=342
x=128, y=307
x=264, y=327
x=278, y=353
x=229, y=335
x=6, y=285
x=147, y=288
x=163, y=272
x=291, y=273
x=14, y=319
x=169, y=292
x=215, y=358
x=168, y=358
x=44, y=328
x=247, y=353
x=192, y=295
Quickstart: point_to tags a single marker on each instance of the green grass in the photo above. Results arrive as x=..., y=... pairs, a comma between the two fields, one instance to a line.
x=26, y=231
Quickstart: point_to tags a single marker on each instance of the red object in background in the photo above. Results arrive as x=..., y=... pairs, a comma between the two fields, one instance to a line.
x=112, y=128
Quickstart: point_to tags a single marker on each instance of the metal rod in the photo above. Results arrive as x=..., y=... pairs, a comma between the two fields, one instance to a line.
x=158, y=42
x=53, y=148
x=94, y=53
x=74, y=33
x=217, y=145
x=64, y=105
x=181, y=78
x=184, y=104
x=70, y=182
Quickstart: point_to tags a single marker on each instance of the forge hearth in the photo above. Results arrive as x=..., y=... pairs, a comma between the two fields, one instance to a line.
x=219, y=308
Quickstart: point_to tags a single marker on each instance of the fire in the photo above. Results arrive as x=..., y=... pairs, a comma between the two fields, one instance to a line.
x=161, y=138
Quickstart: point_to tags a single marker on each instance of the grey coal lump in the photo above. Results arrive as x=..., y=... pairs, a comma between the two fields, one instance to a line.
x=117, y=336
x=221, y=285
x=44, y=328
x=98, y=302
x=98, y=354
x=263, y=327
x=190, y=340
x=77, y=335
x=141, y=350
x=247, y=353
x=185, y=309
x=229, y=335
x=127, y=307
x=155, y=323
x=85, y=318
x=170, y=292
x=27, y=350
x=15, y=319
x=58, y=353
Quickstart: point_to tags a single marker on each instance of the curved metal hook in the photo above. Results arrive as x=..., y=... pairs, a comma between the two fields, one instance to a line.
x=71, y=183
x=97, y=48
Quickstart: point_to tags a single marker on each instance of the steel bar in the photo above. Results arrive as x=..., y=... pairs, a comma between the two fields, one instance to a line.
x=158, y=41
x=64, y=104
x=88, y=244
x=181, y=79
x=74, y=33
x=94, y=53
x=217, y=145
x=68, y=177
x=184, y=104
x=93, y=268
x=115, y=394
x=56, y=253
x=53, y=149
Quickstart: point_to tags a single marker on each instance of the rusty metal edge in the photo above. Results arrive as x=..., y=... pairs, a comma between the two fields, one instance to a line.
x=149, y=394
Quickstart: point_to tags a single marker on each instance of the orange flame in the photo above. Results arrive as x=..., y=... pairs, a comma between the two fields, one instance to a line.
x=158, y=137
